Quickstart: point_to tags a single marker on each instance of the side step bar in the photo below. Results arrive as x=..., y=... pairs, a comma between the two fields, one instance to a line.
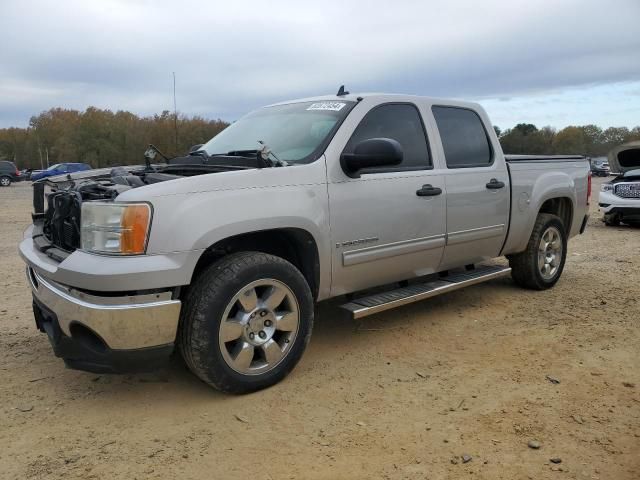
x=379, y=302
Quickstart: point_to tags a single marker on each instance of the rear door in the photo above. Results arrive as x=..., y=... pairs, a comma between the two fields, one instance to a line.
x=382, y=229
x=477, y=183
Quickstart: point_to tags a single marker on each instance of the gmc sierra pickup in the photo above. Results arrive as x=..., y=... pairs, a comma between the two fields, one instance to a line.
x=222, y=254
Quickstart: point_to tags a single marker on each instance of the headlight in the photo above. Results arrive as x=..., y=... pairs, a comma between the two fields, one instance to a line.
x=606, y=187
x=115, y=228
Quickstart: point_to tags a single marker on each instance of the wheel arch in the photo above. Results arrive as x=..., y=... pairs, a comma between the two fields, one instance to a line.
x=561, y=207
x=555, y=203
x=295, y=245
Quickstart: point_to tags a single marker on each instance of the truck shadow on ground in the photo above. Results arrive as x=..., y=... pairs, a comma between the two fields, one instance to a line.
x=335, y=334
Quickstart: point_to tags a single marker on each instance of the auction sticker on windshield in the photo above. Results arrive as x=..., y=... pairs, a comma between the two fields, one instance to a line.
x=333, y=106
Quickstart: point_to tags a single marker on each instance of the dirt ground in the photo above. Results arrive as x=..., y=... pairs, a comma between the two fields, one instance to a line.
x=404, y=394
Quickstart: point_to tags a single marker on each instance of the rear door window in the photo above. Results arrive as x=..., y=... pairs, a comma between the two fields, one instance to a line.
x=464, y=138
x=401, y=122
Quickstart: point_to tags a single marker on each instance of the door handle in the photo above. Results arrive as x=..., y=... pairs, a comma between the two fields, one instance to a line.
x=494, y=184
x=429, y=191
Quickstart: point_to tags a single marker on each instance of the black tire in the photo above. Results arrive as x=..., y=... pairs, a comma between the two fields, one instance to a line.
x=5, y=181
x=204, y=308
x=524, y=266
x=612, y=220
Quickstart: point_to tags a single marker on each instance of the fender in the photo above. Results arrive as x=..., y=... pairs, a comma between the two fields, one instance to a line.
x=527, y=200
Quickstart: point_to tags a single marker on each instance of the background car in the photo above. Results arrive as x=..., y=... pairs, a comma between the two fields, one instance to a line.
x=59, y=169
x=8, y=173
x=600, y=168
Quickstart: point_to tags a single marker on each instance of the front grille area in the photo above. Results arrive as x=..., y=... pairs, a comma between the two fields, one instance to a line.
x=628, y=190
x=62, y=220
x=56, y=221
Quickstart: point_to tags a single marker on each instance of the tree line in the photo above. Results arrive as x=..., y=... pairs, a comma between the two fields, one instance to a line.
x=103, y=138
x=588, y=140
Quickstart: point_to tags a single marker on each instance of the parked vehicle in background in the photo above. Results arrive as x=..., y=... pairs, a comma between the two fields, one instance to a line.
x=59, y=169
x=9, y=173
x=600, y=167
x=620, y=198
x=224, y=253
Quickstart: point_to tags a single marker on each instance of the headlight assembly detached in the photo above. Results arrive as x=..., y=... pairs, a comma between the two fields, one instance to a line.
x=115, y=228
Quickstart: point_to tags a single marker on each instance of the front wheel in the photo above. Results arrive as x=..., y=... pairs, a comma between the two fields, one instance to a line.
x=246, y=322
x=612, y=220
x=5, y=181
x=539, y=267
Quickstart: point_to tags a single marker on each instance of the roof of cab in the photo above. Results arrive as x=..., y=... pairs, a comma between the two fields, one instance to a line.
x=384, y=97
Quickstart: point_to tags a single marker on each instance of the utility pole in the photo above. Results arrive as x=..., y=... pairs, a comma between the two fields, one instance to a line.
x=175, y=111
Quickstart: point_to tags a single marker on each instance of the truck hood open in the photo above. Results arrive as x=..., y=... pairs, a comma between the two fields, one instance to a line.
x=625, y=157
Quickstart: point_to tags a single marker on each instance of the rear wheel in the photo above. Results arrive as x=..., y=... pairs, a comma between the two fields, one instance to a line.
x=539, y=267
x=246, y=322
x=5, y=181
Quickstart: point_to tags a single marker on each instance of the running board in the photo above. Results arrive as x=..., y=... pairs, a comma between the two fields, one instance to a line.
x=379, y=302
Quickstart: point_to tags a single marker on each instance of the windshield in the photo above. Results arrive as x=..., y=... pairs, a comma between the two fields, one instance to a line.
x=55, y=167
x=295, y=133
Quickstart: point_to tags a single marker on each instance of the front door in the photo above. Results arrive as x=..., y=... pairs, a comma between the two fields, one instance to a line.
x=477, y=184
x=388, y=224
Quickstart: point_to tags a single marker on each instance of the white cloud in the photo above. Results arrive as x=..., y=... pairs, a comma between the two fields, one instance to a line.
x=233, y=56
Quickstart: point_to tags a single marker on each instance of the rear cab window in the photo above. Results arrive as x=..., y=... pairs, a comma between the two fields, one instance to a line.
x=464, y=139
x=401, y=122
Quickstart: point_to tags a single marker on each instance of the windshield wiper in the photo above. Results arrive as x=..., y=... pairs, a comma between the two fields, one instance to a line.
x=263, y=155
x=249, y=154
x=236, y=153
x=265, y=152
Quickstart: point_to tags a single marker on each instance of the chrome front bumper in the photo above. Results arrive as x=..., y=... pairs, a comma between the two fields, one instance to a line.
x=609, y=201
x=122, y=322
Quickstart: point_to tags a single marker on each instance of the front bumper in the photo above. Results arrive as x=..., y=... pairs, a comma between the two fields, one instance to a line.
x=105, y=333
x=624, y=214
x=624, y=208
x=608, y=201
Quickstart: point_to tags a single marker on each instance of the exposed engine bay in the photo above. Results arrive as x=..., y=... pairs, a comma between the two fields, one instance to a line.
x=57, y=201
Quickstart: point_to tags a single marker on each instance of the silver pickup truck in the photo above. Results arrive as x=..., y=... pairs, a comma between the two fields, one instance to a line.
x=222, y=254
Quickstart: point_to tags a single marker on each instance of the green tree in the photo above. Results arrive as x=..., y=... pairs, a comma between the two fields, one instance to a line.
x=570, y=140
x=103, y=138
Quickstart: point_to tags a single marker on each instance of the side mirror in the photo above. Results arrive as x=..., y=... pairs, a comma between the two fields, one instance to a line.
x=195, y=148
x=371, y=153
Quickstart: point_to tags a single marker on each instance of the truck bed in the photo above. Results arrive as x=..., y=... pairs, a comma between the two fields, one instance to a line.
x=537, y=178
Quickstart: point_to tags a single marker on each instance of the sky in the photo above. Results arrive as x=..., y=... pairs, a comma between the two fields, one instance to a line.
x=547, y=62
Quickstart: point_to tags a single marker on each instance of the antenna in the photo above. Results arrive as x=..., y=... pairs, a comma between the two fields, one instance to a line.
x=175, y=111
x=342, y=92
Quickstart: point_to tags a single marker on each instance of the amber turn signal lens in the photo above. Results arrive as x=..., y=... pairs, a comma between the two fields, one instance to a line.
x=135, y=226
